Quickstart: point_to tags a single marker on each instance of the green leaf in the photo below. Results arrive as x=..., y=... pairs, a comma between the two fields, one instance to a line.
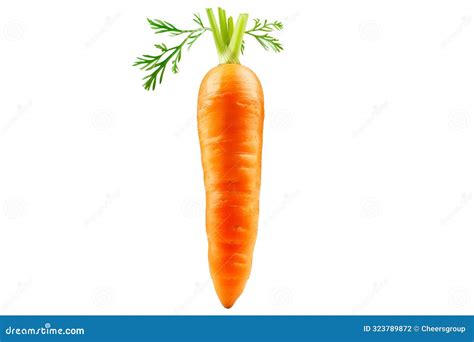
x=157, y=64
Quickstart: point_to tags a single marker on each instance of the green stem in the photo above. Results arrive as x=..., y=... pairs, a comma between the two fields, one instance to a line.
x=236, y=40
x=223, y=25
x=230, y=27
x=228, y=39
x=220, y=46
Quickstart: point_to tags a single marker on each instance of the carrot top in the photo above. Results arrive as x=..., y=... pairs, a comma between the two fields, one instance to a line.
x=228, y=38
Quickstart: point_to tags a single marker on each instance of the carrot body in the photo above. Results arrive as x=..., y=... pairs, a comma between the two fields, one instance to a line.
x=230, y=124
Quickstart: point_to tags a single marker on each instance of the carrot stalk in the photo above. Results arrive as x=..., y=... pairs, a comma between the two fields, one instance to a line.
x=230, y=28
x=228, y=46
x=223, y=26
x=237, y=37
x=220, y=45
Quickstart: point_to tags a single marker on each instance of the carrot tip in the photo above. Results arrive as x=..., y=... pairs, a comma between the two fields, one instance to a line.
x=228, y=304
x=228, y=301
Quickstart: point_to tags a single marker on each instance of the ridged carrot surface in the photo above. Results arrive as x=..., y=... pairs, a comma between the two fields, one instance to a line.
x=230, y=123
x=230, y=117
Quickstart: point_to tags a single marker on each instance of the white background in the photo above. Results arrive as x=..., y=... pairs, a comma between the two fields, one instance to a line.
x=368, y=169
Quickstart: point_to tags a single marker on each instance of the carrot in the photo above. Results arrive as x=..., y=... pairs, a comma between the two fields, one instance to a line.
x=230, y=123
x=230, y=126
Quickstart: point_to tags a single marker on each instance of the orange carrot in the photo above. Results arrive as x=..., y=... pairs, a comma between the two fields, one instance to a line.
x=230, y=123
x=230, y=126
